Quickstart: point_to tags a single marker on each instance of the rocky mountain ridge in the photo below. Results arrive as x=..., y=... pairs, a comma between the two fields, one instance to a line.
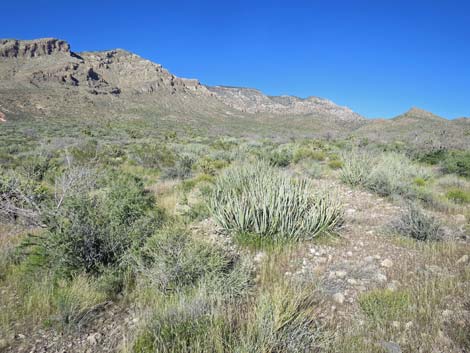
x=49, y=63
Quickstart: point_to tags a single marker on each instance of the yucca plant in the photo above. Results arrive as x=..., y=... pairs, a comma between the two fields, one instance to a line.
x=260, y=199
x=356, y=168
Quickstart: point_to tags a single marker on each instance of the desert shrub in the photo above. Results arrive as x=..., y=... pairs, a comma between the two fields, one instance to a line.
x=458, y=195
x=94, y=230
x=187, y=323
x=433, y=157
x=152, y=155
x=257, y=198
x=280, y=157
x=36, y=166
x=414, y=223
x=419, y=181
x=210, y=166
x=335, y=164
x=21, y=199
x=383, y=305
x=73, y=299
x=86, y=151
x=457, y=162
x=283, y=320
x=357, y=166
x=181, y=170
x=308, y=153
x=171, y=259
x=394, y=174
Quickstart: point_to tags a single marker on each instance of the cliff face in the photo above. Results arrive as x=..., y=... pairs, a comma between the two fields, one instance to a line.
x=12, y=48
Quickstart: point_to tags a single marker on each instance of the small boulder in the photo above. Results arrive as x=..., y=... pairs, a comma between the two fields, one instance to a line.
x=339, y=298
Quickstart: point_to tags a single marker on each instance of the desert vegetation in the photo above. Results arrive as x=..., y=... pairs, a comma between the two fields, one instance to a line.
x=129, y=240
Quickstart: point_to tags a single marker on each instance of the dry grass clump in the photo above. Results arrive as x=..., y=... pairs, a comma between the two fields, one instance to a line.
x=415, y=223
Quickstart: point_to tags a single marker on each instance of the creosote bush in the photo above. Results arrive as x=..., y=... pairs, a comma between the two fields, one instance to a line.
x=386, y=174
x=414, y=223
x=260, y=199
x=94, y=230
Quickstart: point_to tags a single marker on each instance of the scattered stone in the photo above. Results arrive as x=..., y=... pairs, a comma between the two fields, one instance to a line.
x=341, y=274
x=339, y=298
x=387, y=263
x=377, y=257
x=391, y=347
x=409, y=325
x=94, y=338
x=396, y=324
x=351, y=281
x=463, y=260
x=447, y=313
x=349, y=254
x=393, y=286
x=259, y=257
x=380, y=277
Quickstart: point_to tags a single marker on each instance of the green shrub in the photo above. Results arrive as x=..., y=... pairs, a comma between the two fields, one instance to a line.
x=433, y=157
x=181, y=170
x=457, y=162
x=210, y=166
x=414, y=223
x=152, y=156
x=418, y=181
x=94, y=230
x=394, y=174
x=171, y=259
x=280, y=158
x=308, y=153
x=383, y=305
x=458, y=195
x=256, y=198
x=335, y=164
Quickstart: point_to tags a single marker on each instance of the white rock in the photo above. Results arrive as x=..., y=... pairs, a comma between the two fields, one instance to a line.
x=259, y=257
x=352, y=281
x=339, y=298
x=349, y=254
x=380, y=277
x=341, y=274
x=462, y=260
x=386, y=263
x=396, y=324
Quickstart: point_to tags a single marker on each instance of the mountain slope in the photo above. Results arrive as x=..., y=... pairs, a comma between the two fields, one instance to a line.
x=56, y=80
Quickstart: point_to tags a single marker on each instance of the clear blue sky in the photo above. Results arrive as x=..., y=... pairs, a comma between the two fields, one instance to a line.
x=377, y=57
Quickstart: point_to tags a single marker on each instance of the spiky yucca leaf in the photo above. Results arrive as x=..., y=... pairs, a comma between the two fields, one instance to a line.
x=257, y=198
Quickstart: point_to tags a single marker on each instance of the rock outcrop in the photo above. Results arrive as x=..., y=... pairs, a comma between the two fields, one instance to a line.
x=12, y=48
x=254, y=101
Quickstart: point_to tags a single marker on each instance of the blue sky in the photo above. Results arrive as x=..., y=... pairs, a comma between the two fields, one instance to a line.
x=378, y=57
